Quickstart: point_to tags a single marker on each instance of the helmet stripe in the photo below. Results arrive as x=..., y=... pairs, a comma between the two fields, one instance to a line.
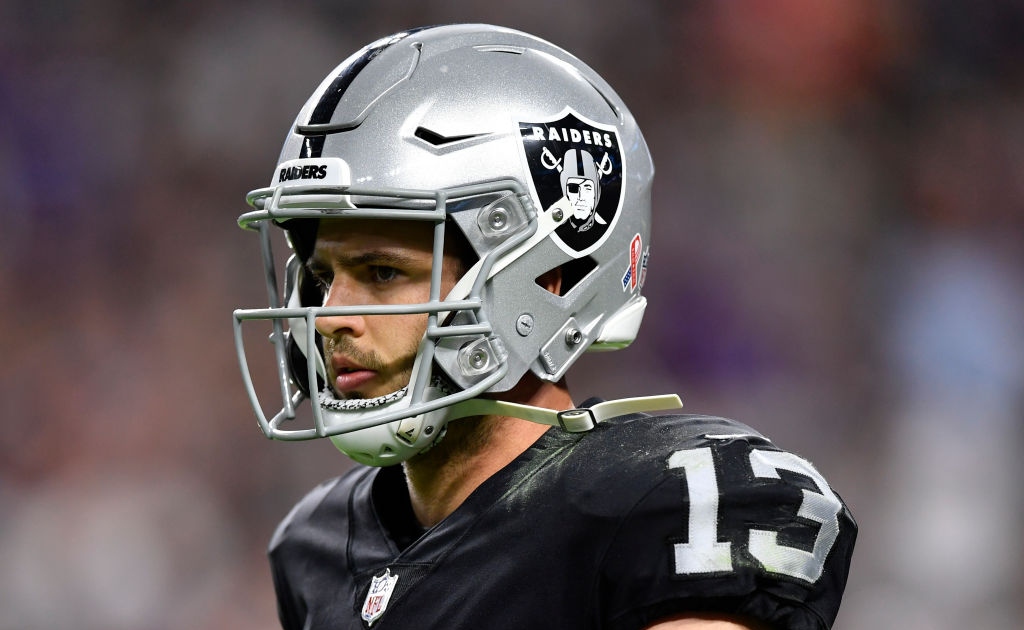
x=312, y=146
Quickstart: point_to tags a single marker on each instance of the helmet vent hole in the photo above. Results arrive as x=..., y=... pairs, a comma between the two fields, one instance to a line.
x=497, y=48
x=438, y=140
x=573, y=273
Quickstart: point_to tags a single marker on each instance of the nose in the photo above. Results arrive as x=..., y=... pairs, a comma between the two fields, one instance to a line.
x=333, y=326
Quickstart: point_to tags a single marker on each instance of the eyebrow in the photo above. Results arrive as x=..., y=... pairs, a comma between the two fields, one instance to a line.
x=374, y=257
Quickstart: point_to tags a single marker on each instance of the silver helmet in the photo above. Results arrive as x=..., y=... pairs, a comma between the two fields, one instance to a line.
x=503, y=137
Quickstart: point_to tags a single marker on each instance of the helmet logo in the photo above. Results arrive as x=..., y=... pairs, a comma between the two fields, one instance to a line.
x=575, y=166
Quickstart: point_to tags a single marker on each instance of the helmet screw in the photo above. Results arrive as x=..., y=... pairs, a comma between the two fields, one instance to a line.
x=481, y=356
x=556, y=215
x=428, y=430
x=478, y=360
x=524, y=325
x=573, y=336
x=498, y=219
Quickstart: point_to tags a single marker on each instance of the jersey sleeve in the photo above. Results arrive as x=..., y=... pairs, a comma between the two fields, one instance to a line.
x=730, y=524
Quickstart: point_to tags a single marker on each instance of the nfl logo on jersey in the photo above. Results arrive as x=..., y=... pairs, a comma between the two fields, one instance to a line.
x=377, y=599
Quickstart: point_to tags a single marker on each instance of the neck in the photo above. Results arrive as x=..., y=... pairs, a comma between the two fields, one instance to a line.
x=441, y=479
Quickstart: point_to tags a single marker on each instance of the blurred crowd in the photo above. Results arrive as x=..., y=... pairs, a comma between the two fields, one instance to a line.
x=838, y=261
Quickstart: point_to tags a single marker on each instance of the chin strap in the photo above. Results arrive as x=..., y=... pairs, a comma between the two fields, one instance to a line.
x=329, y=401
x=571, y=420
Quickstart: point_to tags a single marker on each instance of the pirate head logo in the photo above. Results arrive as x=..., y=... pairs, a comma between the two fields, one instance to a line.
x=576, y=172
x=581, y=183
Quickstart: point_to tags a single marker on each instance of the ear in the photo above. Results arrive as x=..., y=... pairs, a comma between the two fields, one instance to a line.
x=551, y=281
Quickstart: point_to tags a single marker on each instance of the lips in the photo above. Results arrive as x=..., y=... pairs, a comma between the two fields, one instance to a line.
x=348, y=382
x=349, y=377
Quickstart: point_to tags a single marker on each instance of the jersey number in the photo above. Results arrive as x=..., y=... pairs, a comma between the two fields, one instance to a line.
x=705, y=554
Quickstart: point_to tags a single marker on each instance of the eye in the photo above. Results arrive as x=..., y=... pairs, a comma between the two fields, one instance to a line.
x=383, y=274
x=322, y=278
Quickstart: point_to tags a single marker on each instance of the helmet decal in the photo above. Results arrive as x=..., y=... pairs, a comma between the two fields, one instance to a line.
x=636, y=272
x=575, y=169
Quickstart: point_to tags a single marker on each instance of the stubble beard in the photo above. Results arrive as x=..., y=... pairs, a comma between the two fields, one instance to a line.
x=399, y=372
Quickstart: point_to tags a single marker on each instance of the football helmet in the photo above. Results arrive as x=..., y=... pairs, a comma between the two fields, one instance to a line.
x=531, y=157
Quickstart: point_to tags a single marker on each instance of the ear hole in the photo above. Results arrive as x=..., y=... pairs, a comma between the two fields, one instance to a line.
x=572, y=273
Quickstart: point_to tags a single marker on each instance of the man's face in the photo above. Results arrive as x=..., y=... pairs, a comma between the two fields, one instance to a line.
x=580, y=192
x=361, y=262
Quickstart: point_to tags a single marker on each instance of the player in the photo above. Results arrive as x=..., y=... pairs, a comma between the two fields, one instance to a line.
x=437, y=293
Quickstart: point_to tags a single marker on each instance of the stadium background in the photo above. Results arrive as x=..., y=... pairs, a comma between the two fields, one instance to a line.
x=838, y=260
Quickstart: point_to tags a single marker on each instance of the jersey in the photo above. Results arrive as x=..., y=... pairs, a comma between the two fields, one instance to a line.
x=637, y=520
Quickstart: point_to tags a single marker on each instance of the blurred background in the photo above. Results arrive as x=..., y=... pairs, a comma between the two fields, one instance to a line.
x=838, y=260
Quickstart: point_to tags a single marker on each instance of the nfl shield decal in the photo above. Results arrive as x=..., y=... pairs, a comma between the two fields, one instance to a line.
x=575, y=169
x=377, y=599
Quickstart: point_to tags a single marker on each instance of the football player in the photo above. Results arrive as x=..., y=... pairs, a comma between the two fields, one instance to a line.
x=436, y=294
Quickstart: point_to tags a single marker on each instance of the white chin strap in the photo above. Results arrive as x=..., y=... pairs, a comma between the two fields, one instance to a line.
x=571, y=420
x=399, y=440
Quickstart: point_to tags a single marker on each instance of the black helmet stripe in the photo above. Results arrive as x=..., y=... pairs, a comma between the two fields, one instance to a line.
x=312, y=146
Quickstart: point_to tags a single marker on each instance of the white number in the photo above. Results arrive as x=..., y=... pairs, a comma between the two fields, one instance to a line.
x=705, y=554
x=822, y=507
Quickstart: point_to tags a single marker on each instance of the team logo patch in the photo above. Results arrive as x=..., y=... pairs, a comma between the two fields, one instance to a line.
x=377, y=599
x=576, y=172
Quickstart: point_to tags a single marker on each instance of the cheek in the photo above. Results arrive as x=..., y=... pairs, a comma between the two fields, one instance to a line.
x=453, y=271
x=398, y=333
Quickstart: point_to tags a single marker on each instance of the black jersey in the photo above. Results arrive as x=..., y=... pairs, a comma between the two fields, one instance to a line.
x=640, y=519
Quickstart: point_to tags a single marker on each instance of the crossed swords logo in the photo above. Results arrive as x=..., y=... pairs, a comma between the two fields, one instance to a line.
x=550, y=162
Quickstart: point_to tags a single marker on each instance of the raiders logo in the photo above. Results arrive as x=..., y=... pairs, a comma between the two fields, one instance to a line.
x=575, y=168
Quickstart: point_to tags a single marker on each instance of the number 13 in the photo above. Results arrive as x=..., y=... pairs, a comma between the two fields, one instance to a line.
x=705, y=554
